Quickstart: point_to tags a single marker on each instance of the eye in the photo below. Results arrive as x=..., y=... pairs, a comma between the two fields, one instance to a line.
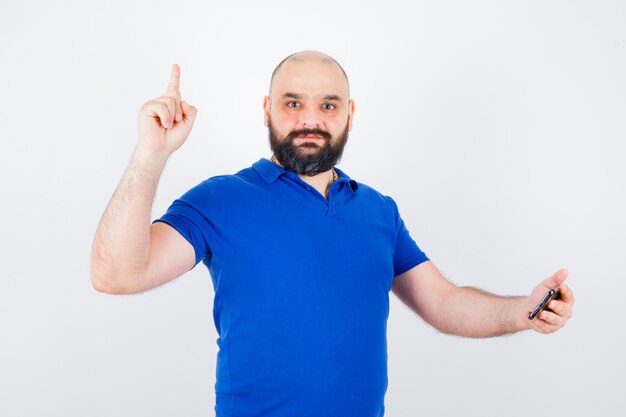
x=293, y=104
x=329, y=106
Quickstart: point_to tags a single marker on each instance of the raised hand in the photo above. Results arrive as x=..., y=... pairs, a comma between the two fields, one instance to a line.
x=559, y=310
x=164, y=123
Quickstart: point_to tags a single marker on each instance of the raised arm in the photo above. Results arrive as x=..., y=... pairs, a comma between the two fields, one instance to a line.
x=129, y=254
x=470, y=312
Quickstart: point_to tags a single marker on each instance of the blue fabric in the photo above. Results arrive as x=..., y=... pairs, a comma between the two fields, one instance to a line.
x=301, y=289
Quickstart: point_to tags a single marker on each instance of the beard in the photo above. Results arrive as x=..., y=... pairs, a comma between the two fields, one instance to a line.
x=309, y=158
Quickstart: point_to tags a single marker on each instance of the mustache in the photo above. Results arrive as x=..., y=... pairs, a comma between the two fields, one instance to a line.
x=303, y=132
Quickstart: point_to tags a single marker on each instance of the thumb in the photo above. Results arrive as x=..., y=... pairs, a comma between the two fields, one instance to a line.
x=556, y=279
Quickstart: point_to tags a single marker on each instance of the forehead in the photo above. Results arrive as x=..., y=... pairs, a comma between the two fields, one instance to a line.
x=310, y=77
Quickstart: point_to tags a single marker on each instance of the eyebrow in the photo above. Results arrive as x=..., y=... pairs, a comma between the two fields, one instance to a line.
x=327, y=97
x=332, y=97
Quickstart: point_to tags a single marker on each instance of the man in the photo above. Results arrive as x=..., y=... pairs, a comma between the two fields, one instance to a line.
x=302, y=257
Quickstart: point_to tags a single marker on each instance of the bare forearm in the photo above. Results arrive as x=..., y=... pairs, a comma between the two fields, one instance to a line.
x=470, y=312
x=122, y=242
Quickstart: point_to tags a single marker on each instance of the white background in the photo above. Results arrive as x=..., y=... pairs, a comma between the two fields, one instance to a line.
x=498, y=127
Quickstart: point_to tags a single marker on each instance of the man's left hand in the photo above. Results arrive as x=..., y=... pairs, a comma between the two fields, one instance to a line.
x=558, y=311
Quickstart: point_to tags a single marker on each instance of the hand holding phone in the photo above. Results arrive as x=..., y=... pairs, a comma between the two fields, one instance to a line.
x=550, y=295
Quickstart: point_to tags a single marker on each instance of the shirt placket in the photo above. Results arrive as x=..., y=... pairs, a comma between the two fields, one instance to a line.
x=332, y=191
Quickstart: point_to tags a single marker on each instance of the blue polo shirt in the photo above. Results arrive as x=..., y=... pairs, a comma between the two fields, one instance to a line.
x=301, y=289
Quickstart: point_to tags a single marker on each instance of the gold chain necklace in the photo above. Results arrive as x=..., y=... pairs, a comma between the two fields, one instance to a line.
x=335, y=175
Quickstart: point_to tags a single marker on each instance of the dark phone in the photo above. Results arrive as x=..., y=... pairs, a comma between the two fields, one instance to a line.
x=551, y=295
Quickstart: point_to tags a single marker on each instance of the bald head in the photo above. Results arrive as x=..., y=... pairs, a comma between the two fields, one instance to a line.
x=303, y=57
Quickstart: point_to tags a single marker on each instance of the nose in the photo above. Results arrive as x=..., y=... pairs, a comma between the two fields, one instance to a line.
x=311, y=119
x=310, y=125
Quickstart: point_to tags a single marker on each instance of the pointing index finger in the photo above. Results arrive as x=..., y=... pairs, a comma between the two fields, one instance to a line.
x=174, y=79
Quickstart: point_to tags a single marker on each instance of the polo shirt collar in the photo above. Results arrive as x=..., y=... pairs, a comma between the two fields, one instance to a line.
x=271, y=171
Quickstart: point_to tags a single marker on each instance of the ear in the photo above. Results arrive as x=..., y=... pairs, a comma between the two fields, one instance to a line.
x=266, y=110
x=350, y=113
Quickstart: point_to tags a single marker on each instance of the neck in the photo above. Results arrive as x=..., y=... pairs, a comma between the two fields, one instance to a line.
x=321, y=182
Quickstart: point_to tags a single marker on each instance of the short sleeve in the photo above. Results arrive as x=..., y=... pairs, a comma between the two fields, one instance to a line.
x=193, y=216
x=407, y=253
